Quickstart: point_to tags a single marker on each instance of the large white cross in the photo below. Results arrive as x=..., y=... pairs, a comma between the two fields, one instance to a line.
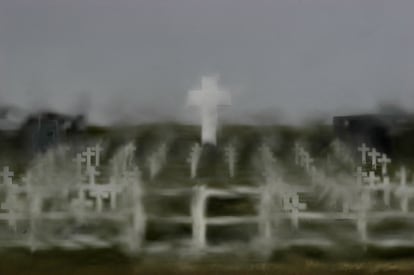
x=208, y=98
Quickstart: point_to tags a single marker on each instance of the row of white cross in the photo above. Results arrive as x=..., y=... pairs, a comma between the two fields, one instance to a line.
x=367, y=183
x=90, y=159
x=375, y=158
x=90, y=194
x=88, y=163
x=367, y=179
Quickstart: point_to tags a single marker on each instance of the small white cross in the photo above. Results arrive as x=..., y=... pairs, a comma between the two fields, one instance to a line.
x=364, y=150
x=384, y=161
x=374, y=154
x=97, y=149
x=89, y=153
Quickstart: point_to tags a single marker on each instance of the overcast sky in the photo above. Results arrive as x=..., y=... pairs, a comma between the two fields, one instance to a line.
x=139, y=58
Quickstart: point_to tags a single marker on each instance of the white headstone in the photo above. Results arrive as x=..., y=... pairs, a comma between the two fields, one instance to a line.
x=208, y=98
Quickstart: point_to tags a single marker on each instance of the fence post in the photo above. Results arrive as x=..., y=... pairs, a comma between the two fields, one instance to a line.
x=198, y=208
x=265, y=214
x=362, y=215
x=35, y=212
x=138, y=216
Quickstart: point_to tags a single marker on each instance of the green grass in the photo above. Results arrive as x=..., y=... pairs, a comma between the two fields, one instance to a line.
x=109, y=261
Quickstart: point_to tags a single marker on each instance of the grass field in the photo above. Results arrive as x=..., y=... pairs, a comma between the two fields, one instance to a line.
x=102, y=262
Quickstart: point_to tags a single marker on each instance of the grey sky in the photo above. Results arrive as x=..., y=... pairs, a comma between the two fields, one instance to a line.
x=138, y=59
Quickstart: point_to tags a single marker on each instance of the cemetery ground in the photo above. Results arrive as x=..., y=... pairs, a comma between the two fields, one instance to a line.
x=346, y=258
x=111, y=261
